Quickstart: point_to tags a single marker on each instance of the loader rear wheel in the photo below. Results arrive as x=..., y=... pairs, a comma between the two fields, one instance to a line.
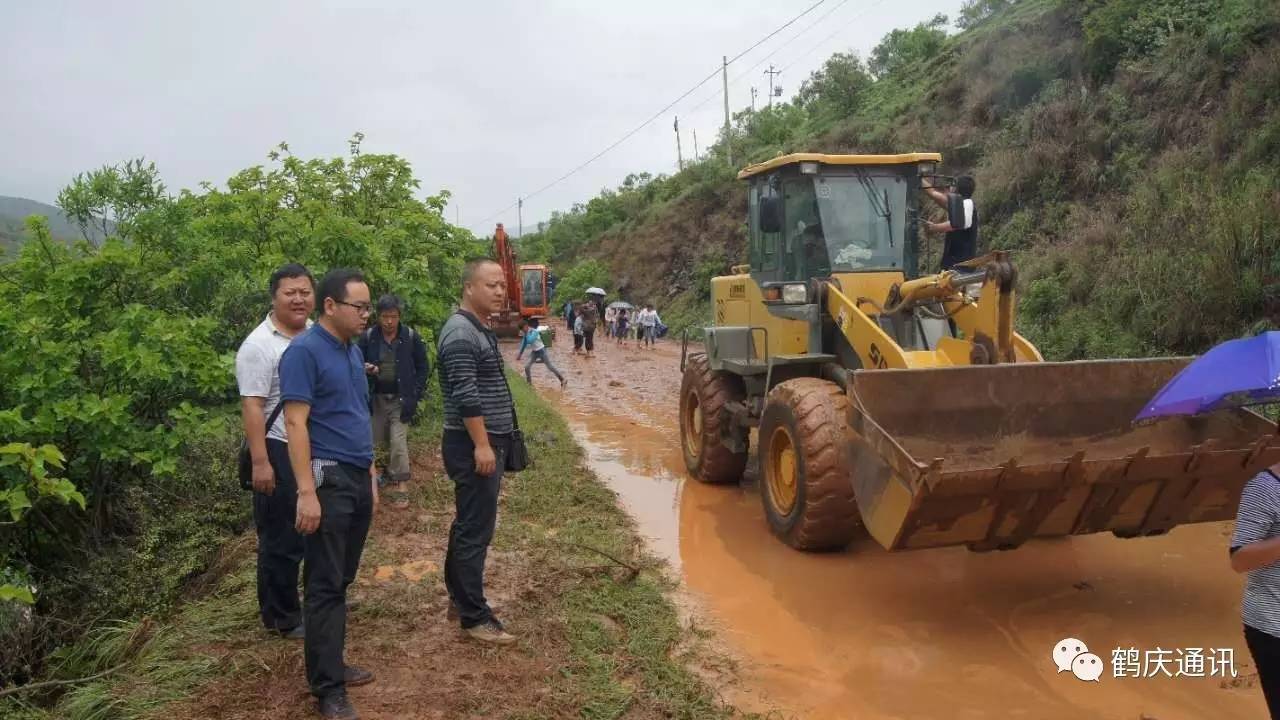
x=703, y=395
x=806, y=465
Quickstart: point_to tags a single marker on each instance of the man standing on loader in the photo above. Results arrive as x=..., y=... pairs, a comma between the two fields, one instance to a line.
x=961, y=225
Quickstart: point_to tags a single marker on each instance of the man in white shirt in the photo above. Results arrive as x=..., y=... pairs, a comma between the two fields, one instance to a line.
x=649, y=320
x=275, y=492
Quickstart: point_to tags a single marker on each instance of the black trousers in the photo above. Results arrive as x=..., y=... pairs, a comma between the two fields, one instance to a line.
x=476, y=501
x=333, y=556
x=279, y=544
x=589, y=339
x=1265, y=649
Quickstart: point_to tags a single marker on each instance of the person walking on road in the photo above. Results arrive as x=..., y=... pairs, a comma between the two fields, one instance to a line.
x=326, y=415
x=275, y=492
x=1255, y=550
x=649, y=321
x=537, y=353
x=590, y=317
x=578, y=333
x=622, y=322
x=479, y=420
x=395, y=359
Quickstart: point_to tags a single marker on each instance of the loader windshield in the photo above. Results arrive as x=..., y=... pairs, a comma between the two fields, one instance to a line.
x=531, y=288
x=863, y=220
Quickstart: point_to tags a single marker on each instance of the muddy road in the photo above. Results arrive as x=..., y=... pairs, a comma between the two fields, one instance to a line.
x=927, y=634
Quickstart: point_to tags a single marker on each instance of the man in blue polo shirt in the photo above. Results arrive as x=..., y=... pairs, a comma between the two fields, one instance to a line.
x=326, y=413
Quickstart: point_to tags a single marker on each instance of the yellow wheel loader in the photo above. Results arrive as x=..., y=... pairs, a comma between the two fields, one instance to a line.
x=902, y=404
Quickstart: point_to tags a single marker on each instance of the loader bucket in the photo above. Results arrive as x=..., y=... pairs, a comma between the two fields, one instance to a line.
x=991, y=456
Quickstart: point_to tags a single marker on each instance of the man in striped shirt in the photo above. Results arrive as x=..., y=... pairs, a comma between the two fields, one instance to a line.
x=478, y=423
x=1255, y=549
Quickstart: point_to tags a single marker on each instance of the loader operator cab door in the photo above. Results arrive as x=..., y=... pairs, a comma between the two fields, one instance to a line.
x=804, y=249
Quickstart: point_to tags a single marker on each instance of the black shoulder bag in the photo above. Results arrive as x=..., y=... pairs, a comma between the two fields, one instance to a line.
x=518, y=454
x=246, y=459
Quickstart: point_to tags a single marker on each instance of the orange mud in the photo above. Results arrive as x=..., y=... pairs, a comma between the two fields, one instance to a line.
x=871, y=635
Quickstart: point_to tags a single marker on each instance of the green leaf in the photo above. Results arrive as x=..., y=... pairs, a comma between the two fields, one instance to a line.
x=18, y=502
x=13, y=593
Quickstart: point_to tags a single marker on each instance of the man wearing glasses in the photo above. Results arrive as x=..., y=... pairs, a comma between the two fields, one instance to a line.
x=331, y=451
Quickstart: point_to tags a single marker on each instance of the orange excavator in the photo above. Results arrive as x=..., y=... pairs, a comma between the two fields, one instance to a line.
x=528, y=291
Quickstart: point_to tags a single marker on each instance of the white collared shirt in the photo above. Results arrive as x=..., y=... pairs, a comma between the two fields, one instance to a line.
x=258, y=370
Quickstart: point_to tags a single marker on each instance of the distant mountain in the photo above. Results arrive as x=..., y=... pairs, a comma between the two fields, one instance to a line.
x=13, y=216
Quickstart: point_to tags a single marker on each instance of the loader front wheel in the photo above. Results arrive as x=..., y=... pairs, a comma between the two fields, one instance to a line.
x=806, y=465
x=703, y=395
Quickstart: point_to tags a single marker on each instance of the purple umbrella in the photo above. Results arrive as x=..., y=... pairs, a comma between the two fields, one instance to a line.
x=1233, y=374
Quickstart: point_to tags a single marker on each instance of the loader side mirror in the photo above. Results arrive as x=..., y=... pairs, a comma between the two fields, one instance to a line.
x=770, y=214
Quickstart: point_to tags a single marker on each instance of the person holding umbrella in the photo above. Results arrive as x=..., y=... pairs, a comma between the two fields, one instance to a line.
x=1255, y=551
x=590, y=314
x=1235, y=374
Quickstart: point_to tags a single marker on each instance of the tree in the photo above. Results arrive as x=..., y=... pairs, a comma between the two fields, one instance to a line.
x=120, y=355
x=904, y=47
x=573, y=286
x=837, y=87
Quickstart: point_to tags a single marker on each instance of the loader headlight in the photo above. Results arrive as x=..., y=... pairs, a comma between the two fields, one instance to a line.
x=795, y=293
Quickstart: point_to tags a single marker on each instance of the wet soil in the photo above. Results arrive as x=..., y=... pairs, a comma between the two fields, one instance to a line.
x=873, y=635
x=425, y=668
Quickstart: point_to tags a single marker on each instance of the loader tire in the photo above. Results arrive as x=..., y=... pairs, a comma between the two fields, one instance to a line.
x=806, y=464
x=703, y=395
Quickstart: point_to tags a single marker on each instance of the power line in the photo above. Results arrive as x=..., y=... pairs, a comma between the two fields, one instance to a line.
x=776, y=50
x=838, y=30
x=655, y=116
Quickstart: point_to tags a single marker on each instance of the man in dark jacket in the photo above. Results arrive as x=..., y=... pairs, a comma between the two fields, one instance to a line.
x=395, y=358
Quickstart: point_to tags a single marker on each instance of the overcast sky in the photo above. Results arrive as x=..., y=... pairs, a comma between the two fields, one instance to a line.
x=490, y=100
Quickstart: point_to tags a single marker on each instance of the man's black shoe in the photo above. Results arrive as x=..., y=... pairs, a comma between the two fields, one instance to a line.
x=355, y=677
x=297, y=633
x=337, y=707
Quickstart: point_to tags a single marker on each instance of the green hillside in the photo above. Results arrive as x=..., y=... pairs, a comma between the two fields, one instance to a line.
x=15, y=210
x=1123, y=149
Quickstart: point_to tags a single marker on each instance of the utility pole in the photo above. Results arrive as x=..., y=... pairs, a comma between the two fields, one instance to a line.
x=753, y=99
x=695, y=144
x=771, y=72
x=519, y=217
x=728, y=137
x=679, y=154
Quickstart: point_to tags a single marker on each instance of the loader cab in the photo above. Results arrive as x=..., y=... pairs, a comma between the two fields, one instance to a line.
x=815, y=215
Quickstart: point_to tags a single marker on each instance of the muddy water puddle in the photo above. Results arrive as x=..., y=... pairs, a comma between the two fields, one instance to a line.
x=942, y=633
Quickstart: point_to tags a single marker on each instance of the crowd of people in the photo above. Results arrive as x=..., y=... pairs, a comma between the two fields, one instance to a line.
x=623, y=322
x=317, y=396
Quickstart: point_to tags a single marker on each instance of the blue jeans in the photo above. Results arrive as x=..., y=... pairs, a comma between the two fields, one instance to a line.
x=545, y=357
